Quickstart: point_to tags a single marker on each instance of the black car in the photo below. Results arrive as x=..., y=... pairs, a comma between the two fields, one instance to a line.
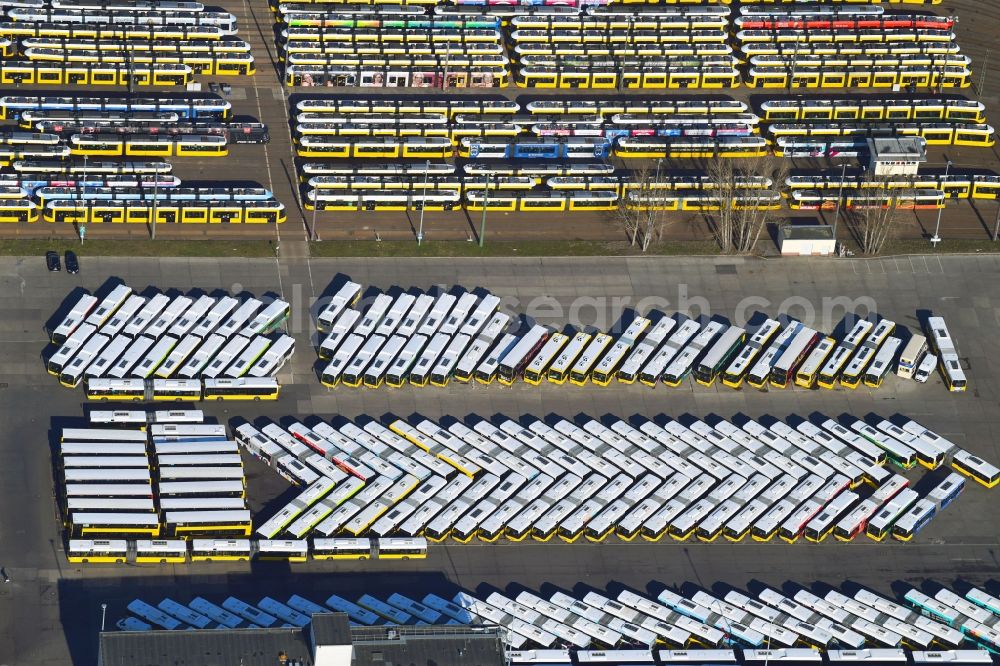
x=72, y=263
x=52, y=261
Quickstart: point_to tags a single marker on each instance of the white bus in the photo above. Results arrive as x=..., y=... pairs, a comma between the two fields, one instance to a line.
x=249, y=613
x=514, y=361
x=481, y=315
x=854, y=372
x=682, y=364
x=106, y=359
x=436, y=316
x=560, y=367
x=211, y=320
x=911, y=356
x=787, y=363
x=154, y=357
x=146, y=315
x=535, y=371
x=653, y=370
x=718, y=355
x=161, y=551
x=375, y=373
x=194, y=366
x=72, y=373
x=345, y=297
x=580, y=372
x=178, y=355
x=65, y=353
x=882, y=363
x=191, y=316
x=399, y=371
x=948, y=362
x=268, y=319
x=224, y=357
x=239, y=317
x=488, y=334
x=442, y=371
x=132, y=356
x=421, y=372
x=395, y=315
x=218, y=614
x=456, y=318
x=124, y=314
x=184, y=614
x=733, y=375
x=109, y=305
x=168, y=316
x=76, y=316
x=274, y=358
x=153, y=615
x=824, y=522
x=830, y=372
x=374, y=315
x=415, y=316
x=629, y=370
x=253, y=351
x=608, y=365
x=486, y=371
x=339, y=332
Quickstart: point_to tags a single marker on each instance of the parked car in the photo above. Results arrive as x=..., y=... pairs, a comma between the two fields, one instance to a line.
x=52, y=261
x=72, y=263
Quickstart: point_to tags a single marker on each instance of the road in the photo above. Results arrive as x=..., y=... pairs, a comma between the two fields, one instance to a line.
x=51, y=609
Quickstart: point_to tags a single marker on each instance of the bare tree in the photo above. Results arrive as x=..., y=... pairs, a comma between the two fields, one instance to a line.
x=874, y=213
x=638, y=214
x=748, y=191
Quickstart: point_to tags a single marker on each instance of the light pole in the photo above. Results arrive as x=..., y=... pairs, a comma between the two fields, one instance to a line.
x=840, y=195
x=423, y=204
x=936, y=238
x=486, y=204
x=104, y=612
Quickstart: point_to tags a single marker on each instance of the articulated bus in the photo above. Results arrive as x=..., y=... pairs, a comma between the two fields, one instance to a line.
x=877, y=108
x=944, y=346
x=653, y=371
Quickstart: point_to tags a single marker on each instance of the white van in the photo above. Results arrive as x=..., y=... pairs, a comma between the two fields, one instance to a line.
x=925, y=368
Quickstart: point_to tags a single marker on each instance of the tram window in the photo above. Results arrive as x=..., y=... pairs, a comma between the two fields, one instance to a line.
x=925, y=113
x=871, y=114
x=604, y=80
x=48, y=77
x=896, y=113
x=106, y=77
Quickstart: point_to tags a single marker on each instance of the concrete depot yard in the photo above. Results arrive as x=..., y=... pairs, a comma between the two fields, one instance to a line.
x=51, y=609
x=274, y=165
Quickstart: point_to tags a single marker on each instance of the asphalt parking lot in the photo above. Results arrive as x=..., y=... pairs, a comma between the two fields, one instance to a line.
x=51, y=609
